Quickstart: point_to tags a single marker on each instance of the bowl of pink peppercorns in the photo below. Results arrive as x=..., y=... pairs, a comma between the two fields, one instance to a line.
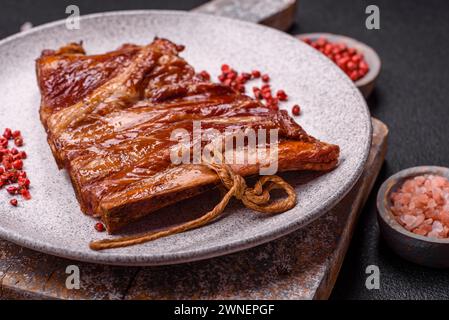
x=359, y=61
x=413, y=214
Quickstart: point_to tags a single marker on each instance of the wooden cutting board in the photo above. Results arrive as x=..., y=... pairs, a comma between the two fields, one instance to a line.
x=302, y=265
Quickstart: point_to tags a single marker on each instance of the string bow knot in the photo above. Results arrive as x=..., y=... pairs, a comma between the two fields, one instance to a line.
x=256, y=198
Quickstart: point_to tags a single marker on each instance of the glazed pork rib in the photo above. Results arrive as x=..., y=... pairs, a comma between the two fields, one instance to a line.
x=109, y=119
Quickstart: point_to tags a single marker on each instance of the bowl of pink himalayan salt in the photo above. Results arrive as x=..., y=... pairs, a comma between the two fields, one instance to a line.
x=413, y=214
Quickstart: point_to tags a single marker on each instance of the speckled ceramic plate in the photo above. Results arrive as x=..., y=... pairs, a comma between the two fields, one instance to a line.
x=333, y=110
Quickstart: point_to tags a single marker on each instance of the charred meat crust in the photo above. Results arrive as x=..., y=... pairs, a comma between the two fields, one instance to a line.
x=109, y=119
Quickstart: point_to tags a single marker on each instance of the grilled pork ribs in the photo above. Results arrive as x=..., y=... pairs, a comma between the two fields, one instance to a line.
x=109, y=119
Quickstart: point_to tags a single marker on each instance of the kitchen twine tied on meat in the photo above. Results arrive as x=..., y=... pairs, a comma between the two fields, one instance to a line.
x=256, y=198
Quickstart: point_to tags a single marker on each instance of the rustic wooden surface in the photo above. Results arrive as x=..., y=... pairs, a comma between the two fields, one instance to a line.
x=278, y=14
x=302, y=265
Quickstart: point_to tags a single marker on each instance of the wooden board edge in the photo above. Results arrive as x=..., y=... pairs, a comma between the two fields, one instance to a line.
x=284, y=19
x=281, y=20
x=377, y=157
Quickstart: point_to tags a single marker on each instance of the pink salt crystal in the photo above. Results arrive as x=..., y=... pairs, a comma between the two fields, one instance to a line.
x=420, y=231
x=423, y=229
x=407, y=220
x=421, y=200
x=445, y=232
x=395, y=210
x=408, y=186
x=421, y=205
x=419, y=190
x=419, y=220
x=438, y=182
x=444, y=217
x=431, y=203
x=437, y=228
x=432, y=214
x=406, y=197
x=396, y=196
x=436, y=194
x=419, y=180
x=411, y=222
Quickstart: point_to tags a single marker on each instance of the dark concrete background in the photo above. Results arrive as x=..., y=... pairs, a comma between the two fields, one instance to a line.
x=411, y=97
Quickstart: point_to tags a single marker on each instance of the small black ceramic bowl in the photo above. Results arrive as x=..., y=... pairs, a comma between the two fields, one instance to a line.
x=422, y=250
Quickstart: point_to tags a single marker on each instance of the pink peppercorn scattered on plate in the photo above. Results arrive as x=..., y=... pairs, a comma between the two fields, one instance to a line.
x=12, y=176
